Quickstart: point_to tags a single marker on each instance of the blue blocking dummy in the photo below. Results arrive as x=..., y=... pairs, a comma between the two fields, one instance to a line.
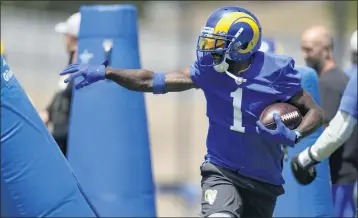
x=36, y=180
x=315, y=199
x=108, y=139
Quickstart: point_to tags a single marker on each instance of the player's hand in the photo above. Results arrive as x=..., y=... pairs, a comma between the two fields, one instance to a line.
x=303, y=167
x=90, y=73
x=281, y=135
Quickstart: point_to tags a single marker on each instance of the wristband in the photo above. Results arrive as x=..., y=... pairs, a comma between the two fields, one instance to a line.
x=305, y=159
x=298, y=136
x=159, y=85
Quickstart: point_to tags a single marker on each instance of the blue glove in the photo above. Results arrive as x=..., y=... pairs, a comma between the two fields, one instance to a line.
x=281, y=135
x=90, y=73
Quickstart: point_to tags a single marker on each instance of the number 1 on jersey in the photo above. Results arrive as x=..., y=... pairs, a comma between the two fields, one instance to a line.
x=237, y=101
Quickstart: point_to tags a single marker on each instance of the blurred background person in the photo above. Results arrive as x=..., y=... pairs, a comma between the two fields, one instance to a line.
x=317, y=47
x=353, y=49
x=57, y=112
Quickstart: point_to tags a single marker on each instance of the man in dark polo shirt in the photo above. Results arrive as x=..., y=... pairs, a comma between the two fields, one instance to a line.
x=317, y=48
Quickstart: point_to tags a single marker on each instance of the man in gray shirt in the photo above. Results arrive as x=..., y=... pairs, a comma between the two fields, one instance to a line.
x=317, y=48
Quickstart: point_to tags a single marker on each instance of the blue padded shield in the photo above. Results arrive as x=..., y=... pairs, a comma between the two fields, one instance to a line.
x=36, y=180
x=315, y=199
x=108, y=139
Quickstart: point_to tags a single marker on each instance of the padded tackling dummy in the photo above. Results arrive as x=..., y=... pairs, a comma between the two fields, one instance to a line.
x=108, y=139
x=315, y=199
x=36, y=180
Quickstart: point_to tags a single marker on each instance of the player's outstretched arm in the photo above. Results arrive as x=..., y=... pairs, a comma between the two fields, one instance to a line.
x=311, y=111
x=149, y=81
x=133, y=79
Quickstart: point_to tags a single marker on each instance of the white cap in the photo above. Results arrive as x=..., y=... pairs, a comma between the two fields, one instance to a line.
x=354, y=41
x=71, y=26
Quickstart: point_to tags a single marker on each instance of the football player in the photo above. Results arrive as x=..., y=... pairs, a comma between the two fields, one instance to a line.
x=241, y=174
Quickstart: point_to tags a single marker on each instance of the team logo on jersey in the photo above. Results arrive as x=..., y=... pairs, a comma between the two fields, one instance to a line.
x=210, y=196
x=85, y=57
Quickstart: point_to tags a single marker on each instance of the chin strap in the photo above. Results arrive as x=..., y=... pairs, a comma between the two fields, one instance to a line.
x=237, y=79
x=223, y=68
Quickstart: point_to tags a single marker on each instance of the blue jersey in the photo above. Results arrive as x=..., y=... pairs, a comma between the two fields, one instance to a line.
x=351, y=70
x=233, y=110
x=349, y=98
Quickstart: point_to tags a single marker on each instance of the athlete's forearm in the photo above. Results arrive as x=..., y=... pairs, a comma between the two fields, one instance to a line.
x=178, y=81
x=311, y=122
x=339, y=130
x=142, y=80
x=136, y=80
x=312, y=113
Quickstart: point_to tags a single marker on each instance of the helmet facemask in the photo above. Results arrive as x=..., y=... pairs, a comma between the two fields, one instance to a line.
x=231, y=33
x=221, y=46
x=215, y=45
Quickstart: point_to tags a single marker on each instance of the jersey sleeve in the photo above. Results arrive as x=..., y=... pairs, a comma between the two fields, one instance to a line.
x=349, y=99
x=289, y=82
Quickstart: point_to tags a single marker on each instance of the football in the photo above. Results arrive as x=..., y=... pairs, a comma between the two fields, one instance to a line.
x=290, y=115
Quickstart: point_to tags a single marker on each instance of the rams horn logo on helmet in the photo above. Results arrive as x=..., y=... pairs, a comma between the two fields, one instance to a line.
x=233, y=32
